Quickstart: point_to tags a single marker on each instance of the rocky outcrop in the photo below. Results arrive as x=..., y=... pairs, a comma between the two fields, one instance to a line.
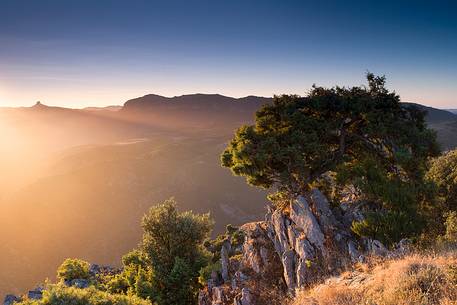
x=11, y=299
x=293, y=248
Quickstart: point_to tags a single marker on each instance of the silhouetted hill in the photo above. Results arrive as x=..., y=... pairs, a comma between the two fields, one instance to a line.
x=202, y=102
x=195, y=110
x=435, y=115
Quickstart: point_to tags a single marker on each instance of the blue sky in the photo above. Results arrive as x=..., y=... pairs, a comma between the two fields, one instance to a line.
x=81, y=53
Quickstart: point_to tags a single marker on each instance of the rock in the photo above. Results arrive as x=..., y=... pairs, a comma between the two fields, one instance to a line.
x=302, y=272
x=293, y=248
x=377, y=248
x=255, y=248
x=204, y=298
x=80, y=283
x=288, y=262
x=404, y=246
x=246, y=298
x=303, y=218
x=94, y=269
x=322, y=210
x=304, y=249
x=36, y=294
x=11, y=299
x=279, y=232
x=353, y=252
x=225, y=263
x=218, y=295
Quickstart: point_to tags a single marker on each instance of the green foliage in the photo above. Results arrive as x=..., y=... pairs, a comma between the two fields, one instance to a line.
x=363, y=135
x=388, y=226
x=297, y=139
x=173, y=243
x=73, y=269
x=143, y=284
x=135, y=279
x=451, y=227
x=164, y=270
x=214, y=246
x=205, y=272
x=135, y=258
x=443, y=172
x=61, y=295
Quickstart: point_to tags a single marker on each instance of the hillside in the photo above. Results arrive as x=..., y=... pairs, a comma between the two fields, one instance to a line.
x=435, y=115
x=112, y=164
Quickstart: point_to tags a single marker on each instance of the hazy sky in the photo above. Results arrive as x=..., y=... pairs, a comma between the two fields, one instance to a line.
x=79, y=53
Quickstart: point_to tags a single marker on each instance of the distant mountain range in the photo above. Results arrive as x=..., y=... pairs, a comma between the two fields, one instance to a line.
x=75, y=182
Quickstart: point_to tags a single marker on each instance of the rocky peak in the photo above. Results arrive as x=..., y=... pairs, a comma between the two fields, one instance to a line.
x=288, y=251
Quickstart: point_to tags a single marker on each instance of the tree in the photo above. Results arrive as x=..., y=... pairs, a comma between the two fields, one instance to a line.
x=361, y=134
x=173, y=243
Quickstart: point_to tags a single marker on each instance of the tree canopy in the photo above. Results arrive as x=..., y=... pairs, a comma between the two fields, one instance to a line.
x=297, y=139
x=362, y=135
x=173, y=242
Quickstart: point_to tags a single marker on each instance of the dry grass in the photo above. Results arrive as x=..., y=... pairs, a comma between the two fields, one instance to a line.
x=413, y=280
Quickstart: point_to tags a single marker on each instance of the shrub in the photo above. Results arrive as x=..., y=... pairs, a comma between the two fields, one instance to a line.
x=205, y=272
x=451, y=227
x=414, y=280
x=73, y=269
x=62, y=295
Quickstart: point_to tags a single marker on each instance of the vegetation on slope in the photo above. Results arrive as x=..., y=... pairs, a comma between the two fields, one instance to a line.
x=164, y=269
x=414, y=280
x=356, y=142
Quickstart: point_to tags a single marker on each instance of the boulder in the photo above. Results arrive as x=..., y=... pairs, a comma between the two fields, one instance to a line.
x=80, y=283
x=375, y=247
x=246, y=298
x=11, y=299
x=36, y=294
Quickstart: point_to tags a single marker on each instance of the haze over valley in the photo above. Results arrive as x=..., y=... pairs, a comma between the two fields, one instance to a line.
x=70, y=174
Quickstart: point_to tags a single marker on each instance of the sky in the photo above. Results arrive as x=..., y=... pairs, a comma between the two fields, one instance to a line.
x=83, y=53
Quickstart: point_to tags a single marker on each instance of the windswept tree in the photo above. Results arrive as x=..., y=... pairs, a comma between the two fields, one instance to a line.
x=363, y=135
x=173, y=243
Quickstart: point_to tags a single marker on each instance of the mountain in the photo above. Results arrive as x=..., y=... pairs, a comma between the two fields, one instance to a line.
x=452, y=110
x=70, y=174
x=108, y=108
x=75, y=182
x=443, y=122
x=435, y=115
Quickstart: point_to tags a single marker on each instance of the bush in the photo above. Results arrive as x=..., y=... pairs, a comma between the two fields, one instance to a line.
x=62, y=295
x=205, y=272
x=443, y=172
x=72, y=269
x=135, y=278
